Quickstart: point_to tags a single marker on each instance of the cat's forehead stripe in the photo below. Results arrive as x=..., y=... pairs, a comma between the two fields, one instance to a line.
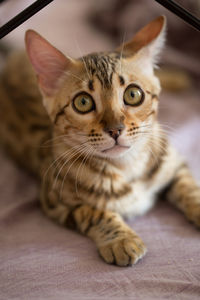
x=121, y=80
x=91, y=85
x=102, y=66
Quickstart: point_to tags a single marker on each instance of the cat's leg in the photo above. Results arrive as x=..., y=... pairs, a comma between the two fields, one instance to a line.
x=184, y=193
x=116, y=242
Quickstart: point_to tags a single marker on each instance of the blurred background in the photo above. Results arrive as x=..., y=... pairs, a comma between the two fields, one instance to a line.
x=78, y=27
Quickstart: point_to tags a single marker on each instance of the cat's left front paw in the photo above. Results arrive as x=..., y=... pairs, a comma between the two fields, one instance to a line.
x=123, y=252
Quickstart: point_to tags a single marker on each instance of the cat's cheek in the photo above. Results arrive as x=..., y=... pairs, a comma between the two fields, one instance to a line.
x=106, y=145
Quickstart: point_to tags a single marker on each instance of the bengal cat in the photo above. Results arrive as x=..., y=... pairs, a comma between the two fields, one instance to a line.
x=95, y=142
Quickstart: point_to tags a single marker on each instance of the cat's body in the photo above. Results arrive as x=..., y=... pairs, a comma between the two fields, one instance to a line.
x=27, y=132
x=87, y=182
x=25, y=125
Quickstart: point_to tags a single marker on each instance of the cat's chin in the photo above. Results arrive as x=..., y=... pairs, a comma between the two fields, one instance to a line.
x=115, y=151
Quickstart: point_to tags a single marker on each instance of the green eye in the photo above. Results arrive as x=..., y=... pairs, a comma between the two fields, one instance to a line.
x=83, y=103
x=133, y=95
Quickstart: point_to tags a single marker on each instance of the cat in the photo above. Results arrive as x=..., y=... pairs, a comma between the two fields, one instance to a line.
x=88, y=129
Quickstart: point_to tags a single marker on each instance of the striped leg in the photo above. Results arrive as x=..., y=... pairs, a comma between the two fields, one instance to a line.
x=184, y=193
x=115, y=241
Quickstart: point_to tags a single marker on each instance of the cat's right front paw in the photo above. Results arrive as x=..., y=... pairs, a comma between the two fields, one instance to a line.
x=123, y=252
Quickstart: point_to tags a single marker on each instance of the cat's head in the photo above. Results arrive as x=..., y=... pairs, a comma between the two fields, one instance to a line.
x=105, y=102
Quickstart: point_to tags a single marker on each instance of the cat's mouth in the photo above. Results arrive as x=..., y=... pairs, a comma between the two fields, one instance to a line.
x=116, y=149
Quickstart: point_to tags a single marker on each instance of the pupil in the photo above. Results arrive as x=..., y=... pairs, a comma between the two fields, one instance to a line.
x=132, y=94
x=83, y=101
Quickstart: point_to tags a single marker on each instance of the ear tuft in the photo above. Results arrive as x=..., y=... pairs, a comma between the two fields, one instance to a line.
x=48, y=62
x=148, y=41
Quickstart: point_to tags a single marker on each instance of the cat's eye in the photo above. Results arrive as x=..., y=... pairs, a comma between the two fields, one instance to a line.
x=83, y=103
x=133, y=95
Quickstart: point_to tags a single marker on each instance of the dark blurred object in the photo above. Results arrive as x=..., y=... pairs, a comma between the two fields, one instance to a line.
x=181, y=12
x=23, y=16
x=192, y=6
x=120, y=19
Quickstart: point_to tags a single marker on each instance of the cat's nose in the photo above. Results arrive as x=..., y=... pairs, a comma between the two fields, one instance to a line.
x=115, y=132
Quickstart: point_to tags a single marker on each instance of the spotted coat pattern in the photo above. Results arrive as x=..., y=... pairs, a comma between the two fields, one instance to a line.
x=92, y=195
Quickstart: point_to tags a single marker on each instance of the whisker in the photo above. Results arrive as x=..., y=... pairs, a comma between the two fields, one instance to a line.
x=76, y=151
x=75, y=76
x=63, y=181
x=122, y=49
x=79, y=168
x=69, y=155
x=82, y=57
x=153, y=154
x=63, y=136
x=52, y=164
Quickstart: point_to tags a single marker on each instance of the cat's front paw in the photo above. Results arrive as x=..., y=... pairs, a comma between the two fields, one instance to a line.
x=123, y=252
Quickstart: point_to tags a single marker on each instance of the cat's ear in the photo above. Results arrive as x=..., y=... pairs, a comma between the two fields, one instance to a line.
x=148, y=42
x=48, y=62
